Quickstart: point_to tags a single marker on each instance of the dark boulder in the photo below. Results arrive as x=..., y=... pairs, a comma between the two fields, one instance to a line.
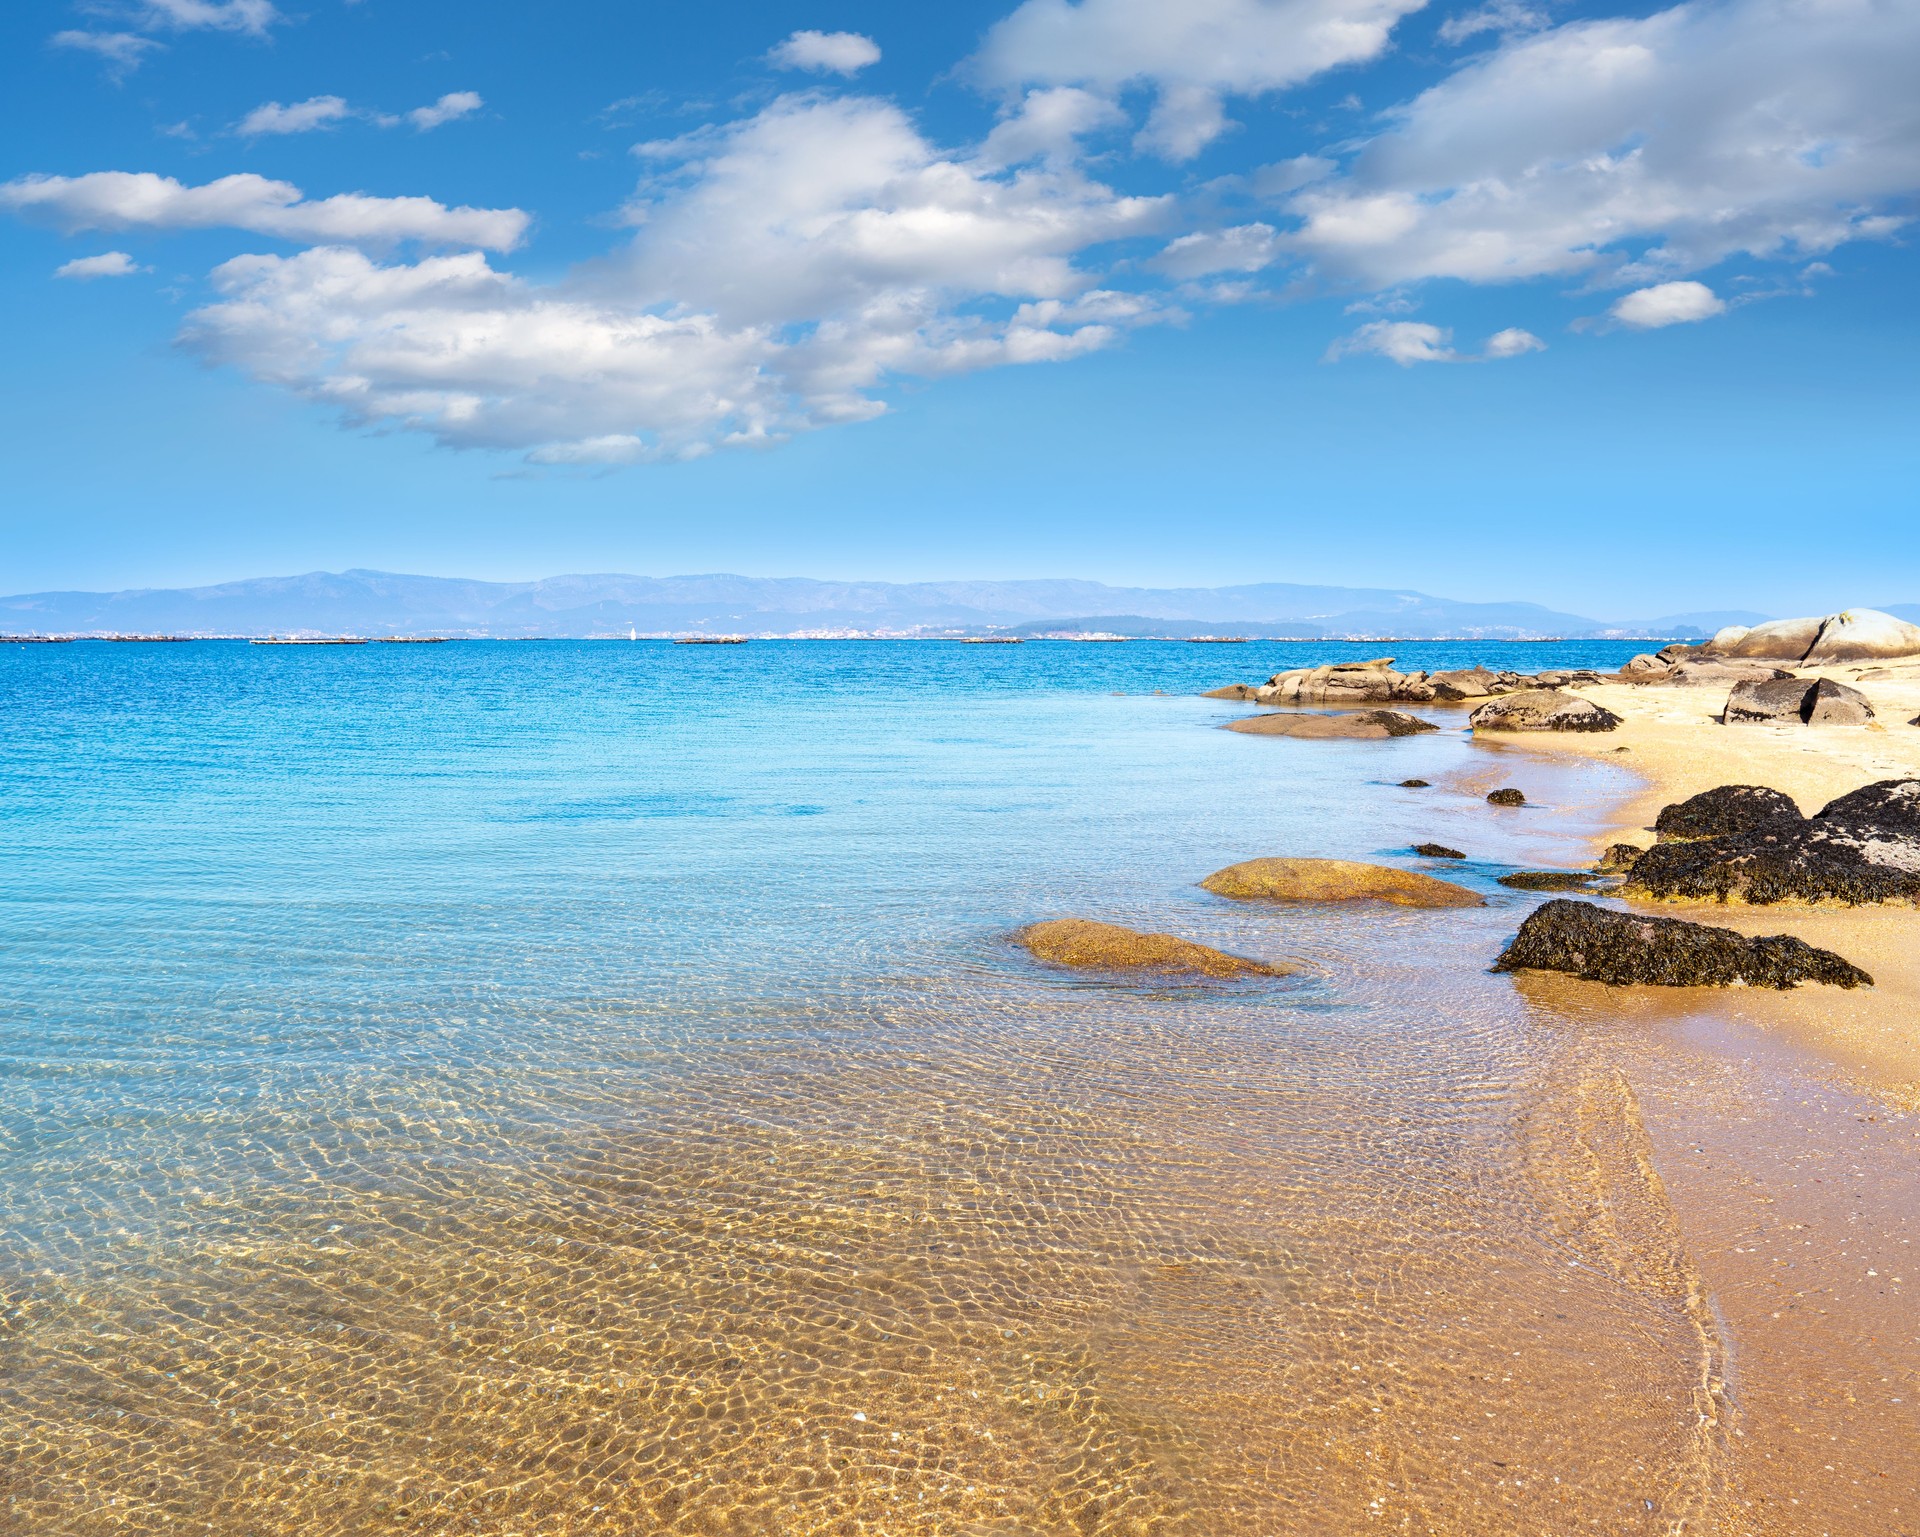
x=1728, y=809
x=1626, y=949
x=1506, y=797
x=1618, y=858
x=1437, y=851
x=1415, y=784
x=1784, y=701
x=1549, y=880
x=1863, y=847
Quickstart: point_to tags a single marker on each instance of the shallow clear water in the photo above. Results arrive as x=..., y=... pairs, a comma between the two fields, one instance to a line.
x=564, y=1088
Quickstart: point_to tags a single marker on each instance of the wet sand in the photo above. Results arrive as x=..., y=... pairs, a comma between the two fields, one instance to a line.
x=1785, y=1132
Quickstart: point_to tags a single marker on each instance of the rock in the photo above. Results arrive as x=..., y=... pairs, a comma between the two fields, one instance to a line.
x=1647, y=666
x=1786, y=640
x=1437, y=851
x=1507, y=797
x=1549, y=880
x=1728, y=809
x=1462, y=683
x=1415, y=784
x=1863, y=847
x=1863, y=635
x=1542, y=709
x=1713, y=673
x=1335, y=880
x=1626, y=949
x=1361, y=725
x=1785, y=701
x=1618, y=858
x=1082, y=943
x=1241, y=691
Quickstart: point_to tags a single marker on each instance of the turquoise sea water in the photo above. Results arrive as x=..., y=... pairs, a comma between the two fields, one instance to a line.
x=566, y=1087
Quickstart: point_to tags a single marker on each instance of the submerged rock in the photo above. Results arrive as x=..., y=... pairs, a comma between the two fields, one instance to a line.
x=1416, y=784
x=1542, y=709
x=1549, y=880
x=1810, y=701
x=1727, y=809
x=1625, y=948
x=1863, y=847
x=1083, y=943
x=1361, y=725
x=1335, y=880
x=1437, y=851
x=1506, y=797
x=1241, y=691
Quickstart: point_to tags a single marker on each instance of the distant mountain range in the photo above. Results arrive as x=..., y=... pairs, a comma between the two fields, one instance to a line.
x=381, y=603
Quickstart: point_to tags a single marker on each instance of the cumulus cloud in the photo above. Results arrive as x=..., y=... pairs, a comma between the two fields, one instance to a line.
x=250, y=16
x=837, y=53
x=108, y=264
x=1243, y=248
x=301, y=117
x=1407, y=342
x=1048, y=125
x=122, y=51
x=449, y=108
x=787, y=267
x=1636, y=147
x=143, y=200
x=1193, y=54
x=1667, y=304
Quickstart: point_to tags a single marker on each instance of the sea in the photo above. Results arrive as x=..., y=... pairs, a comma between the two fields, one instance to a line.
x=589, y=1087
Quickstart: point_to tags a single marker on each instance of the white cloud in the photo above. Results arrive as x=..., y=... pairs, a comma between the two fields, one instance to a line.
x=1405, y=342
x=1243, y=248
x=839, y=53
x=1192, y=53
x=787, y=267
x=1501, y=16
x=108, y=264
x=142, y=200
x=1512, y=343
x=123, y=51
x=1637, y=147
x=301, y=117
x=1667, y=304
x=250, y=16
x=1048, y=125
x=453, y=105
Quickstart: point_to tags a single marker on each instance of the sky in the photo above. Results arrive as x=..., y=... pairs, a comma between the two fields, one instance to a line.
x=1610, y=309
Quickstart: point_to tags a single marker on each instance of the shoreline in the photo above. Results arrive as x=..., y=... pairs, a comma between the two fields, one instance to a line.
x=1677, y=748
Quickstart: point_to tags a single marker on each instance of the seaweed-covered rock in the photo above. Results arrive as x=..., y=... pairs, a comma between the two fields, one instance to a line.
x=1335, y=880
x=1549, y=880
x=1618, y=859
x=1087, y=945
x=1809, y=701
x=1437, y=851
x=1542, y=709
x=1507, y=797
x=1359, y=725
x=1627, y=948
x=1863, y=847
x=1727, y=809
x=1416, y=784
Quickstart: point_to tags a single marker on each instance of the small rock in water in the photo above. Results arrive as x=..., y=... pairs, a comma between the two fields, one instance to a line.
x=1083, y=943
x=1548, y=880
x=1335, y=880
x=1626, y=949
x=1360, y=725
x=1437, y=851
x=1506, y=797
x=1421, y=784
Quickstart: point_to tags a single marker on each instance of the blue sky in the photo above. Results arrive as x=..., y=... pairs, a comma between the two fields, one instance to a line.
x=1608, y=309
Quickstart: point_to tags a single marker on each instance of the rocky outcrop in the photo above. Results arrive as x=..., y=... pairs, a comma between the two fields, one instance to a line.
x=1713, y=673
x=1863, y=847
x=1335, y=880
x=1086, y=945
x=1361, y=725
x=1627, y=949
x=1376, y=681
x=1853, y=635
x=1718, y=812
x=1618, y=859
x=1507, y=797
x=1464, y=683
x=1543, y=709
x=1796, y=701
x=1241, y=691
